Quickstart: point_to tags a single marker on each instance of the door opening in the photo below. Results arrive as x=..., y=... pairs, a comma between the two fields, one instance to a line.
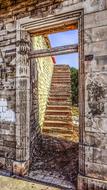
x=56, y=59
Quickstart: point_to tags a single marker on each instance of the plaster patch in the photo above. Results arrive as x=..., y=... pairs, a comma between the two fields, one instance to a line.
x=6, y=114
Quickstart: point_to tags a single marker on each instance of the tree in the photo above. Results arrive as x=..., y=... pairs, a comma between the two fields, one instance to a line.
x=74, y=85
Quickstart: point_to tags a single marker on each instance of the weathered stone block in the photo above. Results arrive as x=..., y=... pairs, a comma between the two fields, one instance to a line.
x=9, y=165
x=95, y=170
x=95, y=19
x=2, y=162
x=95, y=139
x=15, y=45
x=98, y=64
x=89, y=154
x=97, y=124
x=95, y=34
x=96, y=48
x=20, y=168
x=86, y=183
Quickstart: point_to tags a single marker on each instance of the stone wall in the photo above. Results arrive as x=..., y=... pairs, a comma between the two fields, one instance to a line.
x=45, y=70
x=93, y=141
x=7, y=92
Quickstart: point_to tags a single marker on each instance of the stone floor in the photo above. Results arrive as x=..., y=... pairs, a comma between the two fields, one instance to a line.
x=7, y=183
x=55, y=162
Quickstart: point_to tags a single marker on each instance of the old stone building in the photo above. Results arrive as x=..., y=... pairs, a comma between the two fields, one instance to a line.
x=20, y=99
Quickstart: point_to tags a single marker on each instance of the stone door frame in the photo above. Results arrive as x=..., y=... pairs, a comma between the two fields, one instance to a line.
x=25, y=27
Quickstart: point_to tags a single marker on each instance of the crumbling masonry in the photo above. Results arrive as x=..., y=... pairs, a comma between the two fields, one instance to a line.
x=18, y=83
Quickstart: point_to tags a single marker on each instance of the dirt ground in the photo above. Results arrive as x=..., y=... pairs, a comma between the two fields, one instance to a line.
x=55, y=161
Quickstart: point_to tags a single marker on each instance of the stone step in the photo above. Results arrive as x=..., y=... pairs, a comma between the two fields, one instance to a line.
x=64, y=118
x=58, y=112
x=58, y=107
x=52, y=102
x=58, y=96
x=56, y=91
x=58, y=130
x=58, y=124
x=67, y=136
x=61, y=78
x=58, y=99
x=62, y=68
x=61, y=75
x=61, y=82
x=61, y=65
x=61, y=72
x=61, y=91
x=61, y=85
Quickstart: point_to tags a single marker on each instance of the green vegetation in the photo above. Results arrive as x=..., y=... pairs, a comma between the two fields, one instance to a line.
x=74, y=85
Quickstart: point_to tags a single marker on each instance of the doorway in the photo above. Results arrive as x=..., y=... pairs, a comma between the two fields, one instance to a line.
x=59, y=23
x=57, y=62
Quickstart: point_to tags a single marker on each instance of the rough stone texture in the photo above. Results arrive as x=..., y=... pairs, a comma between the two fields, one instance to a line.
x=58, y=117
x=20, y=168
x=7, y=92
x=17, y=131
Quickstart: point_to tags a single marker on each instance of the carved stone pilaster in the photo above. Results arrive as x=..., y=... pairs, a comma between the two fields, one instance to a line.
x=22, y=102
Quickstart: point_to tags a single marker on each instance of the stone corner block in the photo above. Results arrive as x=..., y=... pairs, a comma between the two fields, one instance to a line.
x=20, y=168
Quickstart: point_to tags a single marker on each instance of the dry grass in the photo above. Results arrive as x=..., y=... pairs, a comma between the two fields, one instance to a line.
x=7, y=183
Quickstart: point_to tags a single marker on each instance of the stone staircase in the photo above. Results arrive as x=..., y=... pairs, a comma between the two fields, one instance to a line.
x=58, y=121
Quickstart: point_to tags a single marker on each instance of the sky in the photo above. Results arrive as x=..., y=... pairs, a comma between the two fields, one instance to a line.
x=65, y=38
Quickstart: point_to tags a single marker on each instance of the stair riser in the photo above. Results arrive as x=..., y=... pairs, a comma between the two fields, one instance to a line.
x=58, y=108
x=59, y=95
x=61, y=92
x=59, y=103
x=58, y=100
x=57, y=131
x=59, y=72
x=61, y=86
x=62, y=68
x=59, y=118
x=61, y=76
x=67, y=137
x=63, y=126
x=61, y=82
x=58, y=113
